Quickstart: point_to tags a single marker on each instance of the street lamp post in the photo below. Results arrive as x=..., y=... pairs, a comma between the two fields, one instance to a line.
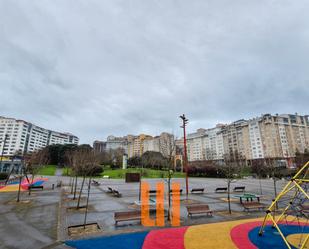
x=185, y=161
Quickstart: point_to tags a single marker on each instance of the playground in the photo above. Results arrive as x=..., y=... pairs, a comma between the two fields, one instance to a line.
x=13, y=186
x=285, y=225
x=44, y=217
x=242, y=234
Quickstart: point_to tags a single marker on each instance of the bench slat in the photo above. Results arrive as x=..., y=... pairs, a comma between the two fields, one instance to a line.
x=199, y=209
x=197, y=190
x=127, y=216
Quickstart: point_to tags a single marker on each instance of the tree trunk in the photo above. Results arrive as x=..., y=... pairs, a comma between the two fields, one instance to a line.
x=140, y=184
x=18, y=193
x=275, y=189
x=72, y=185
x=86, y=212
x=261, y=191
x=31, y=184
x=80, y=192
x=228, y=196
x=75, y=187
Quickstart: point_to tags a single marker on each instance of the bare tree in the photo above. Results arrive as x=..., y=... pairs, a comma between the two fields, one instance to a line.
x=89, y=170
x=258, y=167
x=24, y=161
x=232, y=169
x=69, y=162
x=85, y=162
x=274, y=172
x=80, y=161
x=167, y=146
x=31, y=163
x=36, y=160
x=301, y=157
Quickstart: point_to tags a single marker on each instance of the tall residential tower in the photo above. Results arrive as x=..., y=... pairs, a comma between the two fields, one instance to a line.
x=19, y=136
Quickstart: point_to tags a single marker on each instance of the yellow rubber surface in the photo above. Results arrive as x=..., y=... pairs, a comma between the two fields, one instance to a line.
x=294, y=240
x=216, y=235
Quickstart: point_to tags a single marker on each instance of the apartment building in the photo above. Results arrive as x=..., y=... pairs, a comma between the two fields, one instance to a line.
x=236, y=139
x=13, y=165
x=267, y=136
x=165, y=144
x=152, y=144
x=205, y=144
x=283, y=135
x=19, y=136
x=196, y=145
x=135, y=145
x=214, y=143
x=99, y=146
x=113, y=143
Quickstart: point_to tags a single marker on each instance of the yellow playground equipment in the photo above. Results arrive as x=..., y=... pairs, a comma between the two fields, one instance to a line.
x=291, y=205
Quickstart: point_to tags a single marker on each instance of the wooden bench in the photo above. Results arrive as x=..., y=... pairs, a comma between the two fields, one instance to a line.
x=222, y=189
x=239, y=189
x=253, y=205
x=36, y=187
x=95, y=183
x=199, y=209
x=127, y=216
x=116, y=193
x=197, y=190
x=174, y=191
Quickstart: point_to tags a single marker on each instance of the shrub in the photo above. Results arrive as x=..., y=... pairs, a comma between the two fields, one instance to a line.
x=3, y=176
x=97, y=170
x=208, y=171
x=115, y=166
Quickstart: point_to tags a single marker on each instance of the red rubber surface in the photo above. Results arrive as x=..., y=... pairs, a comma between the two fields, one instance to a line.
x=170, y=238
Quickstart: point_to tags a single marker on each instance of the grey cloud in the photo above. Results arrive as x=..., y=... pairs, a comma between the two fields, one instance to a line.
x=96, y=67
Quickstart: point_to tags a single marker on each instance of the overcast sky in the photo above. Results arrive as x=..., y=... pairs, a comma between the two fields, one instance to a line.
x=95, y=67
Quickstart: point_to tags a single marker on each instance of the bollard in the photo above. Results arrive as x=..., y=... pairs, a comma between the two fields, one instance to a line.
x=53, y=186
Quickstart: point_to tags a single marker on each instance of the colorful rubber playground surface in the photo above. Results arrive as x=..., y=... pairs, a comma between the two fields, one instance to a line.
x=241, y=234
x=13, y=186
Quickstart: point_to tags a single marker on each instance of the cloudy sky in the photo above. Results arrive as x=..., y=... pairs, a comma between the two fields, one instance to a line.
x=100, y=67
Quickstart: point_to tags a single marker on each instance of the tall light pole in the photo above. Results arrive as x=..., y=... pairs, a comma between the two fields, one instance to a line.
x=185, y=159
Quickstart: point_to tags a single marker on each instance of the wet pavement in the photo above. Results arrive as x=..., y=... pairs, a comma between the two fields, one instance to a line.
x=31, y=223
x=42, y=219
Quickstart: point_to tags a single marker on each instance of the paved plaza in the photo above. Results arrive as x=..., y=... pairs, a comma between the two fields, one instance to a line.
x=41, y=220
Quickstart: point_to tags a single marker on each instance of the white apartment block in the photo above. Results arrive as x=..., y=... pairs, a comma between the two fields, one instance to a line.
x=268, y=136
x=283, y=140
x=214, y=144
x=255, y=138
x=114, y=143
x=18, y=136
x=152, y=144
x=196, y=145
x=205, y=144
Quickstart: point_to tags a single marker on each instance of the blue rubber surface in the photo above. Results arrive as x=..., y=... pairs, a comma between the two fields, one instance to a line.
x=122, y=241
x=38, y=183
x=271, y=239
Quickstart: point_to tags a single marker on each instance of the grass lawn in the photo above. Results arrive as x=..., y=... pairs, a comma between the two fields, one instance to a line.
x=66, y=171
x=47, y=170
x=147, y=173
